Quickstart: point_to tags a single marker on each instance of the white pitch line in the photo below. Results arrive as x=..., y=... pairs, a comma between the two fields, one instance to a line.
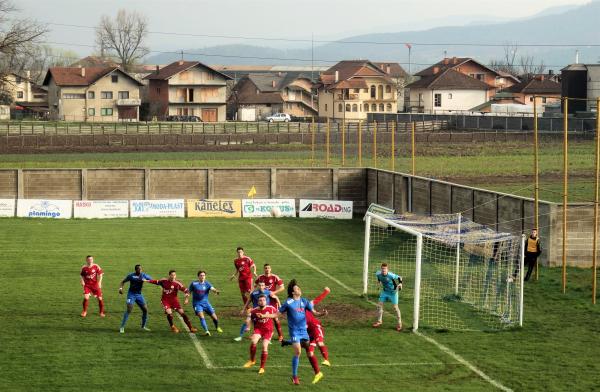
x=207, y=362
x=429, y=339
x=407, y=364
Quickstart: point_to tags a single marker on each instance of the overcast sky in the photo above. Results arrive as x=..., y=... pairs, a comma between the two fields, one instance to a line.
x=326, y=19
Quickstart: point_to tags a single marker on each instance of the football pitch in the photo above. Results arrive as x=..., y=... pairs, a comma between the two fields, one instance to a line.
x=46, y=345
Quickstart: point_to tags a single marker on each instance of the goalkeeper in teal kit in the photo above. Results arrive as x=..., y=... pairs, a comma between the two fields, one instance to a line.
x=390, y=285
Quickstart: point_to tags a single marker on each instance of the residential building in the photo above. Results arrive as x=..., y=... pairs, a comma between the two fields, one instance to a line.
x=446, y=91
x=187, y=88
x=92, y=94
x=400, y=78
x=256, y=96
x=28, y=98
x=495, y=80
x=351, y=89
x=524, y=92
x=581, y=81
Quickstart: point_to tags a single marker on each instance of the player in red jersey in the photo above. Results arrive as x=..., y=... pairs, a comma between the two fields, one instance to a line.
x=245, y=270
x=315, y=330
x=262, y=317
x=91, y=281
x=169, y=300
x=274, y=284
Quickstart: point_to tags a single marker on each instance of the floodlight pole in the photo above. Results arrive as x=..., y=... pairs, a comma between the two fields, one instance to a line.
x=457, y=253
x=360, y=143
x=565, y=191
x=597, y=180
x=537, y=174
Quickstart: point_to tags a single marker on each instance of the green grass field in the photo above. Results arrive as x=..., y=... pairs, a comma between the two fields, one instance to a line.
x=45, y=345
x=503, y=166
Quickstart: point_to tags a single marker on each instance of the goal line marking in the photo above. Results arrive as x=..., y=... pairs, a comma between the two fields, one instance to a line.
x=203, y=354
x=429, y=339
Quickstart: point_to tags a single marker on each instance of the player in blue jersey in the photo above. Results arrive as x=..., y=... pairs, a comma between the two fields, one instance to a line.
x=200, y=289
x=134, y=296
x=390, y=285
x=253, y=299
x=295, y=308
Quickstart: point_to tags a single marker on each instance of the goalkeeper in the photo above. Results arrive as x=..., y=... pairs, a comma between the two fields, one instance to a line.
x=390, y=285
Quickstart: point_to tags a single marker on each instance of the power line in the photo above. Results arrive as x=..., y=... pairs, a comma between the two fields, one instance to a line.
x=344, y=42
x=179, y=53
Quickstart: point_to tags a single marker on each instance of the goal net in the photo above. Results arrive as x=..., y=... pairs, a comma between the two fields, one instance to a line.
x=457, y=274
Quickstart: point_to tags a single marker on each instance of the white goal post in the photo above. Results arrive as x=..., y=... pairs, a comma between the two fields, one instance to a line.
x=462, y=275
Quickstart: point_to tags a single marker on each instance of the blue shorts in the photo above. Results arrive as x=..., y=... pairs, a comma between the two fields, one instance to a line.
x=297, y=335
x=203, y=307
x=135, y=299
x=391, y=296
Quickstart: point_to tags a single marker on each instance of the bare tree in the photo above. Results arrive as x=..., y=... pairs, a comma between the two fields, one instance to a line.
x=507, y=64
x=528, y=66
x=124, y=36
x=18, y=40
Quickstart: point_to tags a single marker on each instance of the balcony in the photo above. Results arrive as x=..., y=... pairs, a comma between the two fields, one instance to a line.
x=129, y=102
x=347, y=97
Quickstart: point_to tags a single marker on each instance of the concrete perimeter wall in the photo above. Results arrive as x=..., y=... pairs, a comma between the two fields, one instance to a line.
x=403, y=192
x=126, y=184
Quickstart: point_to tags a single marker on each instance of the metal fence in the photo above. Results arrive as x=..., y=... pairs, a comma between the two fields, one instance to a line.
x=158, y=128
x=491, y=122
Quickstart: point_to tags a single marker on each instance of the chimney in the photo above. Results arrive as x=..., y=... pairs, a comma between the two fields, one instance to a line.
x=28, y=74
x=387, y=69
x=446, y=61
x=157, y=69
x=550, y=72
x=180, y=62
x=83, y=72
x=454, y=60
x=279, y=73
x=273, y=83
x=436, y=70
x=337, y=76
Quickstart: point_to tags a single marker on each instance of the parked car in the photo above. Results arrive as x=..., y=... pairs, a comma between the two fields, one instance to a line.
x=279, y=117
x=184, y=118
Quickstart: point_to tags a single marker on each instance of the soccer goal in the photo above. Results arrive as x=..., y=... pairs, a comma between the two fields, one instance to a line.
x=460, y=275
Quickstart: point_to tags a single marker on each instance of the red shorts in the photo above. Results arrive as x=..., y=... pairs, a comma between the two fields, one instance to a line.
x=316, y=334
x=245, y=285
x=170, y=303
x=96, y=291
x=266, y=334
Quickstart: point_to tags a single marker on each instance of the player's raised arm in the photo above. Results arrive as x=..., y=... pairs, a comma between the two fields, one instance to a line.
x=246, y=305
x=253, y=267
x=215, y=290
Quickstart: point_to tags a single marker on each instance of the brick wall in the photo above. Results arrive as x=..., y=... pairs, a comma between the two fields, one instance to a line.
x=178, y=184
x=52, y=184
x=305, y=183
x=117, y=184
x=235, y=183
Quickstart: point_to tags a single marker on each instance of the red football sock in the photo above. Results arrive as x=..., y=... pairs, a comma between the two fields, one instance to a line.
x=170, y=319
x=314, y=363
x=186, y=320
x=85, y=304
x=101, y=305
x=324, y=351
x=253, y=352
x=263, y=359
x=321, y=297
x=278, y=326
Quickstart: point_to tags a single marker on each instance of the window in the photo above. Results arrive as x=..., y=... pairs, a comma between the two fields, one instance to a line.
x=381, y=107
x=543, y=99
x=18, y=80
x=355, y=108
x=373, y=92
x=106, y=95
x=326, y=107
x=366, y=107
x=91, y=95
x=73, y=96
x=348, y=107
x=340, y=107
x=19, y=94
x=373, y=107
x=388, y=107
x=420, y=97
x=114, y=78
x=123, y=94
x=91, y=112
x=530, y=99
x=366, y=91
x=450, y=96
x=39, y=96
x=356, y=91
x=388, y=88
x=480, y=77
x=437, y=100
x=106, y=112
x=158, y=90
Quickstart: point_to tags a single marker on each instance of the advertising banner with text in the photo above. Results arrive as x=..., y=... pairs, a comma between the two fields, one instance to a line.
x=100, y=209
x=39, y=208
x=207, y=208
x=261, y=208
x=157, y=208
x=330, y=209
x=7, y=208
